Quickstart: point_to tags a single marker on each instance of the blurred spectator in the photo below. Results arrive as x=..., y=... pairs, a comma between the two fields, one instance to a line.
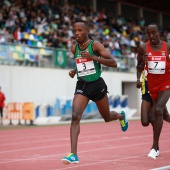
x=2, y=104
x=2, y=39
x=10, y=23
x=133, y=50
x=17, y=34
x=142, y=22
x=52, y=21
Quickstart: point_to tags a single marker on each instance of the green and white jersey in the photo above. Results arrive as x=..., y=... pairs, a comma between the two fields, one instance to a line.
x=87, y=69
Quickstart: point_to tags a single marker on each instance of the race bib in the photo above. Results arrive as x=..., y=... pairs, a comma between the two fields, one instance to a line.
x=156, y=64
x=85, y=67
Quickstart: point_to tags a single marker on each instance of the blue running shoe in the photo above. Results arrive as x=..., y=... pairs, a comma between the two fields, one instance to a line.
x=70, y=159
x=124, y=123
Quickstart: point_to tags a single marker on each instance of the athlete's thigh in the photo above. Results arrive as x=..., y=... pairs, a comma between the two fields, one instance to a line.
x=1, y=110
x=103, y=106
x=145, y=109
x=163, y=98
x=79, y=104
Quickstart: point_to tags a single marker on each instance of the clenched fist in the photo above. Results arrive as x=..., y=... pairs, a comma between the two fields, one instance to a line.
x=72, y=73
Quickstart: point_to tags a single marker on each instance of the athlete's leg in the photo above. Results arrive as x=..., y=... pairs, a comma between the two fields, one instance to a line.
x=1, y=112
x=159, y=106
x=103, y=107
x=145, y=112
x=166, y=115
x=79, y=104
x=147, y=115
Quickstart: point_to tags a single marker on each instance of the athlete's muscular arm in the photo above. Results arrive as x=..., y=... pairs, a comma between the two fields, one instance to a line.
x=168, y=51
x=72, y=72
x=73, y=48
x=140, y=63
x=105, y=59
x=141, y=57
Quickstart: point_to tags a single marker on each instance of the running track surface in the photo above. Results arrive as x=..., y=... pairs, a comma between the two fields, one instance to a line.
x=101, y=146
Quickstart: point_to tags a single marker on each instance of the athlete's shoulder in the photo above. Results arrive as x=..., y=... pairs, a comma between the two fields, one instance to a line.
x=73, y=48
x=95, y=42
x=96, y=45
x=143, y=45
x=142, y=48
x=167, y=44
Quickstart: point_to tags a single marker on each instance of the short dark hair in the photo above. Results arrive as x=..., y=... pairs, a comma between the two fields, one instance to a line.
x=87, y=24
x=157, y=26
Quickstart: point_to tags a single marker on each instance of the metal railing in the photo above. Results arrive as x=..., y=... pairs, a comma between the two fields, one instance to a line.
x=24, y=55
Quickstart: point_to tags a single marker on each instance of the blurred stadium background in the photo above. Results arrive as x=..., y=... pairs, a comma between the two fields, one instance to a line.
x=35, y=57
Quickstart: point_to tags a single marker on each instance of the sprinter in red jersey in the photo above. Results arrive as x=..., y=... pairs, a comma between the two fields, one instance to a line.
x=155, y=55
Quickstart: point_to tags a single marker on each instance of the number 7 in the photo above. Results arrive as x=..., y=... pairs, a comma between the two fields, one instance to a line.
x=156, y=64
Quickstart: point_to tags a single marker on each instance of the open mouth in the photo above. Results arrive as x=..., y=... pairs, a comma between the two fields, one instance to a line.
x=153, y=40
x=77, y=38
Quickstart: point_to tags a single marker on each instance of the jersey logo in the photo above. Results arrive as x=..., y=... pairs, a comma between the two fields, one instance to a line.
x=79, y=91
x=163, y=53
x=167, y=87
x=150, y=53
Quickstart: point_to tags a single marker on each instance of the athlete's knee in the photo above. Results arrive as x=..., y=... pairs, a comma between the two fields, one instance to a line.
x=158, y=111
x=145, y=123
x=76, y=117
x=107, y=119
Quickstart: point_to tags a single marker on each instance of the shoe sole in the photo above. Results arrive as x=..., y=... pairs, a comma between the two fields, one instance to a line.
x=151, y=157
x=66, y=162
x=124, y=130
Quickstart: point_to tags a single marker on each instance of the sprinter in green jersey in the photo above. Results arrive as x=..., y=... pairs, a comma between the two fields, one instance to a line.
x=89, y=55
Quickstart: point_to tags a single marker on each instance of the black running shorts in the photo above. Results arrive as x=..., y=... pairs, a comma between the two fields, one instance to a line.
x=93, y=90
x=147, y=97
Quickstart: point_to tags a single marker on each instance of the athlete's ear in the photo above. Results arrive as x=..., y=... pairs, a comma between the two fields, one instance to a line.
x=160, y=33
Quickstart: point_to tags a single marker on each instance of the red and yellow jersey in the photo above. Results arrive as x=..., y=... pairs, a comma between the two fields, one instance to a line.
x=144, y=87
x=158, y=66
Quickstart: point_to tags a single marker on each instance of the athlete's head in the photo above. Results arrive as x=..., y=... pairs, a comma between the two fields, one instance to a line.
x=81, y=30
x=153, y=34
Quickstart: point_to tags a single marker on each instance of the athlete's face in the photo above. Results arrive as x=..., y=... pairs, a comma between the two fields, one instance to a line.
x=80, y=31
x=153, y=34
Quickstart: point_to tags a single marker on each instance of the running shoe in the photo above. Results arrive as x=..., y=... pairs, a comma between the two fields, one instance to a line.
x=70, y=159
x=157, y=153
x=152, y=154
x=124, y=122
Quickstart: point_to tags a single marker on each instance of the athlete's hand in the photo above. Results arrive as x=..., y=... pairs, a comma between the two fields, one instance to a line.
x=72, y=73
x=138, y=84
x=85, y=54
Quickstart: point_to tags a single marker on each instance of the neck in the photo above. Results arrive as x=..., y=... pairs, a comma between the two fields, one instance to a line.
x=84, y=43
x=156, y=45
